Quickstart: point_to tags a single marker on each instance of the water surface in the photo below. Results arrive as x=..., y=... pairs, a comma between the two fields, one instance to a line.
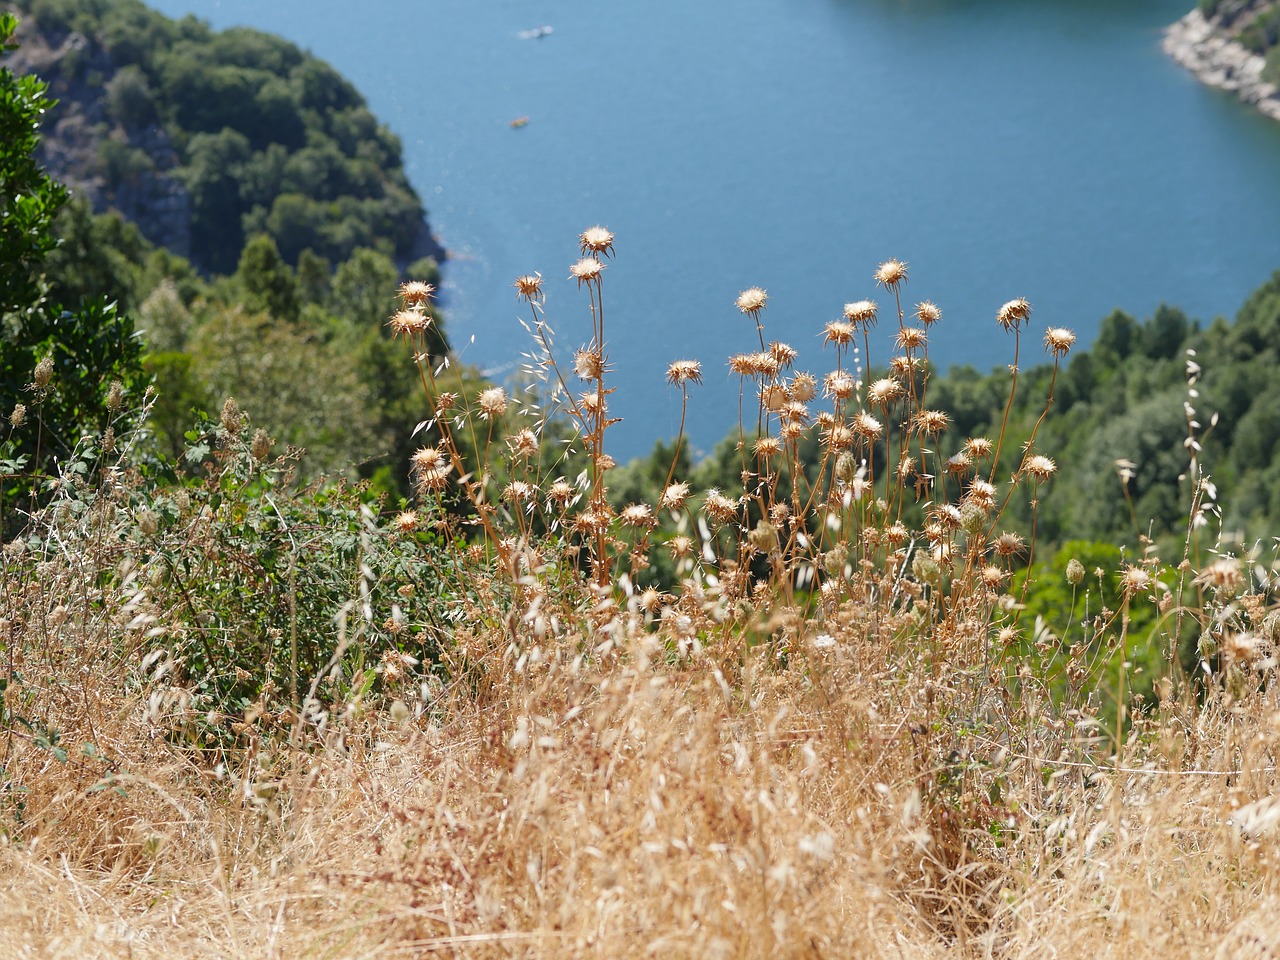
x=1002, y=148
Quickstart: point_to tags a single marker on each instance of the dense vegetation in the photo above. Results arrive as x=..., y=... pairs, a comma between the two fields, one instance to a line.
x=1253, y=23
x=264, y=137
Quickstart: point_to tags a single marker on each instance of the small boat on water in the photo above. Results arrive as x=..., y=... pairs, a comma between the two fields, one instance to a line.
x=518, y=122
x=537, y=33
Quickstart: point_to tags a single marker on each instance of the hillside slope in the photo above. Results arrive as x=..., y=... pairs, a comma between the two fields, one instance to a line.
x=1232, y=45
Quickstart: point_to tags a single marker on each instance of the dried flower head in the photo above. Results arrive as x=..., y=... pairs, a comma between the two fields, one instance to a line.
x=982, y=493
x=1134, y=579
x=680, y=546
x=1009, y=545
x=43, y=374
x=407, y=323
x=493, y=403
x=260, y=445
x=232, y=419
x=1223, y=576
x=867, y=427
x=839, y=385
x=1039, y=467
x=773, y=397
x=993, y=576
x=1059, y=341
x=523, y=444
x=837, y=437
x=560, y=492
x=638, y=515
x=804, y=387
x=891, y=274
x=910, y=338
x=588, y=364
x=414, y=292
x=405, y=522
x=674, y=497
x=115, y=396
x=959, y=463
x=928, y=313
x=751, y=301
x=1013, y=314
x=684, y=371
x=742, y=364
x=784, y=353
x=19, y=415
x=904, y=367
x=979, y=447
x=767, y=447
x=587, y=270
x=838, y=332
x=885, y=391
x=930, y=423
x=597, y=240
x=719, y=507
x=861, y=312
x=529, y=287
x=1075, y=572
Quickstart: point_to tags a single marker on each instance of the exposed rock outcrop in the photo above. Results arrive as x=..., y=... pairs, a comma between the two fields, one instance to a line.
x=1206, y=47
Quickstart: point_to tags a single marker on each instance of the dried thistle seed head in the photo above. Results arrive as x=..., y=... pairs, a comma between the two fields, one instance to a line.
x=638, y=515
x=982, y=493
x=766, y=447
x=446, y=401
x=930, y=423
x=783, y=353
x=891, y=274
x=838, y=332
x=861, y=312
x=1075, y=572
x=764, y=365
x=493, y=403
x=804, y=387
x=650, y=601
x=523, y=445
x=839, y=385
x=959, y=463
x=979, y=447
x=425, y=458
x=596, y=240
x=896, y=534
x=605, y=462
x=1134, y=579
x=587, y=270
x=837, y=437
x=846, y=467
x=719, y=507
x=825, y=419
x=751, y=301
x=260, y=446
x=884, y=392
x=779, y=513
x=232, y=419
x=1059, y=341
x=947, y=516
x=589, y=523
x=742, y=364
x=529, y=287
x=406, y=521
x=407, y=323
x=42, y=376
x=674, y=497
x=148, y=522
x=1223, y=576
x=926, y=569
x=795, y=412
x=867, y=427
x=906, y=469
x=588, y=364
x=431, y=479
x=1039, y=467
x=993, y=576
x=592, y=404
x=684, y=371
x=1012, y=315
x=680, y=546
x=560, y=493
x=791, y=431
x=928, y=313
x=1009, y=545
x=415, y=292
x=910, y=338
x=904, y=366
x=773, y=396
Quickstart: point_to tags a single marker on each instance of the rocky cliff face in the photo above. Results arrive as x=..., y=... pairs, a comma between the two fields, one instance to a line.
x=145, y=190
x=1209, y=47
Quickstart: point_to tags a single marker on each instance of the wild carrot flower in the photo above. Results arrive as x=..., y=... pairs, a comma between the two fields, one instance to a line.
x=751, y=301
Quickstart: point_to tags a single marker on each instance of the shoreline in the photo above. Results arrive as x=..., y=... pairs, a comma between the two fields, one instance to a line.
x=1216, y=61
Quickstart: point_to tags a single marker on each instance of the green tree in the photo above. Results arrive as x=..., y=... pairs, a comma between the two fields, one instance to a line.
x=267, y=281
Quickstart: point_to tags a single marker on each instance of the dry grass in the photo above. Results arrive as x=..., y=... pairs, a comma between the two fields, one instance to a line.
x=845, y=753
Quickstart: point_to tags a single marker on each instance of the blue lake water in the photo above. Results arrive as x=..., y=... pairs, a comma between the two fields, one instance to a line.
x=1002, y=148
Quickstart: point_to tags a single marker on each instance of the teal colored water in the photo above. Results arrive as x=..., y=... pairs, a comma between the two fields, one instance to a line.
x=1002, y=148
